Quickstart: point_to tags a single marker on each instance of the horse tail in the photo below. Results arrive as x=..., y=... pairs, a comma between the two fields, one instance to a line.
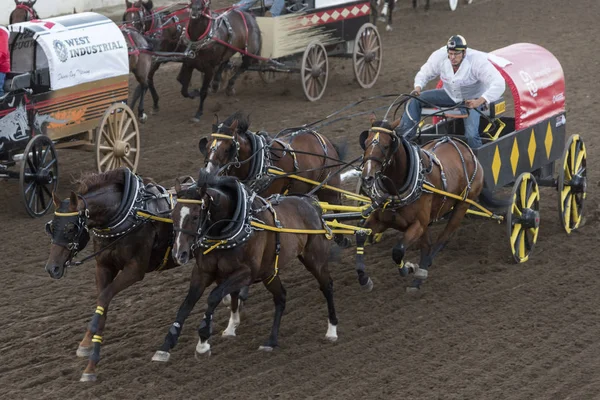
x=487, y=198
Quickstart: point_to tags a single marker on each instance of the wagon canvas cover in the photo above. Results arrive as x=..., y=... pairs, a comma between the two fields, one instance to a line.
x=78, y=48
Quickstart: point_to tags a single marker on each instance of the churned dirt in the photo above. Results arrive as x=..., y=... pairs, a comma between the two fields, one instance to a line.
x=481, y=328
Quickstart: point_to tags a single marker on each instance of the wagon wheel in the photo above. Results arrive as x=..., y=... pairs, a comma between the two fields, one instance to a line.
x=315, y=69
x=572, y=184
x=39, y=175
x=367, y=55
x=118, y=139
x=452, y=4
x=523, y=217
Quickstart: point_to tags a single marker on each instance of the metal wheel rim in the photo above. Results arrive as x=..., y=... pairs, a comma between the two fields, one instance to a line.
x=525, y=194
x=367, y=39
x=314, y=55
x=117, y=128
x=39, y=154
x=452, y=4
x=571, y=205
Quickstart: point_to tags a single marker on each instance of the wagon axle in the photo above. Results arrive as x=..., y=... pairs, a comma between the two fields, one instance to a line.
x=530, y=219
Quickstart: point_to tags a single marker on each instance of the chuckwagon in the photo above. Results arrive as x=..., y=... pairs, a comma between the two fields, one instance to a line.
x=530, y=148
x=68, y=89
x=302, y=40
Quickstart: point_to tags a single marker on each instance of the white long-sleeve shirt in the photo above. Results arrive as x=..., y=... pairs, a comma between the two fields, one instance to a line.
x=476, y=77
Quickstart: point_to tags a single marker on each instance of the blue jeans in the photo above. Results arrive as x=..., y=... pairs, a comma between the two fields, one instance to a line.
x=2, y=77
x=276, y=8
x=439, y=97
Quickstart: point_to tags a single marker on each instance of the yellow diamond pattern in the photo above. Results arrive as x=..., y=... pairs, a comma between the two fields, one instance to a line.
x=496, y=164
x=514, y=157
x=531, y=148
x=548, y=140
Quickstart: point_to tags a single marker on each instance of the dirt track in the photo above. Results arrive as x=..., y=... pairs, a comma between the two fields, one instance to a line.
x=482, y=327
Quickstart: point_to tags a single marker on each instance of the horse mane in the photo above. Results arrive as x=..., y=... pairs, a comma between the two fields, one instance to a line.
x=90, y=181
x=243, y=121
x=384, y=123
x=206, y=178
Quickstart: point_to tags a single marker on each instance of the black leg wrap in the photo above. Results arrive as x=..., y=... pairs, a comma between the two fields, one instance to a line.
x=93, y=327
x=95, y=356
x=205, y=328
x=398, y=253
x=363, y=277
x=172, y=337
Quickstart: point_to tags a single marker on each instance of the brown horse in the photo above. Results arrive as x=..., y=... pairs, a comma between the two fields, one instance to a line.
x=104, y=204
x=23, y=12
x=215, y=222
x=213, y=39
x=393, y=175
x=162, y=29
x=140, y=64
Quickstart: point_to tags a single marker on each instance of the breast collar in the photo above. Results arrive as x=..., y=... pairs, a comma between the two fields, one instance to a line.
x=136, y=197
x=412, y=188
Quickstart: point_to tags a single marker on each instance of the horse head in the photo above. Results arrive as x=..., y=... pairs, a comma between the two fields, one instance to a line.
x=23, y=12
x=199, y=8
x=69, y=234
x=227, y=141
x=138, y=14
x=379, y=143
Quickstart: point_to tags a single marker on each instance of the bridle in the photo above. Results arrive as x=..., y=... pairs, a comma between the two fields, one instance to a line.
x=198, y=9
x=31, y=13
x=71, y=228
x=376, y=142
x=140, y=12
x=223, y=132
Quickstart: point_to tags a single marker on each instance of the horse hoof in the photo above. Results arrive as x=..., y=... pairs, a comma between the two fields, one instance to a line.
x=195, y=120
x=412, y=289
x=265, y=348
x=389, y=28
x=198, y=356
x=382, y=18
x=83, y=352
x=331, y=339
x=420, y=273
x=155, y=111
x=403, y=271
x=202, y=348
x=143, y=118
x=161, y=356
x=227, y=333
x=85, y=377
x=367, y=287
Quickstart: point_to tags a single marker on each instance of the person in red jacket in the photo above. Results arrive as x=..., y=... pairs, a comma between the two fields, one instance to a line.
x=4, y=57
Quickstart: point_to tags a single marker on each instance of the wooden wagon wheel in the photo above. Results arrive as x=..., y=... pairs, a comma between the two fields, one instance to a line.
x=523, y=217
x=453, y=4
x=118, y=139
x=315, y=68
x=572, y=184
x=367, y=55
x=39, y=175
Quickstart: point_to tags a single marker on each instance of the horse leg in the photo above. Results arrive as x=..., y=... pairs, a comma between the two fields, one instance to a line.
x=276, y=288
x=363, y=278
x=216, y=83
x=153, y=92
x=136, y=95
x=141, y=92
x=311, y=261
x=184, y=77
x=374, y=11
x=231, y=285
x=230, y=90
x=234, y=317
x=104, y=276
x=427, y=5
x=208, y=75
x=198, y=282
x=126, y=278
x=414, y=232
x=391, y=4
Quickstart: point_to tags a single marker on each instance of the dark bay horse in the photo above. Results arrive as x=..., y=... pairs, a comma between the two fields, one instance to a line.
x=213, y=39
x=103, y=206
x=393, y=175
x=23, y=12
x=214, y=221
x=162, y=30
x=250, y=157
x=140, y=64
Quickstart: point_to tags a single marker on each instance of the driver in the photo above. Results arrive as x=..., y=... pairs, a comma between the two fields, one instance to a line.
x=4, y=57
x=275, y=10
x=467, y=75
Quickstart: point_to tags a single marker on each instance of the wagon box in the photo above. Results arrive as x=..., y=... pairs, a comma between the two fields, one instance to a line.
x=68, y=88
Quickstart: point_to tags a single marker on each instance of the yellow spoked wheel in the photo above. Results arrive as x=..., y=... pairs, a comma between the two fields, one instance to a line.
x=117, y=139
x=523, y=217
x=572, y=184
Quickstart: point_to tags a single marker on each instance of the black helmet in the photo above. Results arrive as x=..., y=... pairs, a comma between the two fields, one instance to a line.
x=456, y=42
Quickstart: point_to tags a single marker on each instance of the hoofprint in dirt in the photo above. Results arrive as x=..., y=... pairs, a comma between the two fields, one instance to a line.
x=481, y=319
